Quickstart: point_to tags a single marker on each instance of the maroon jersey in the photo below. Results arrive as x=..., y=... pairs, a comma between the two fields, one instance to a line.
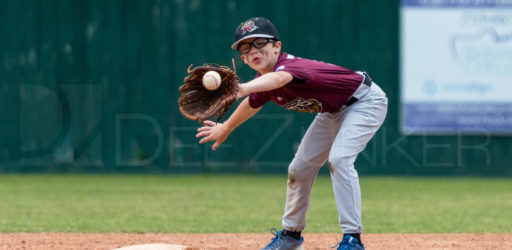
x=316, y=86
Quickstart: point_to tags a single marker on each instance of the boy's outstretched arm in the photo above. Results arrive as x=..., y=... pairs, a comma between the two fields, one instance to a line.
x=265, y=82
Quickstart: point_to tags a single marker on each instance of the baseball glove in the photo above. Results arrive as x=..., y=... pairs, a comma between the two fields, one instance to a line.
x=198, y=103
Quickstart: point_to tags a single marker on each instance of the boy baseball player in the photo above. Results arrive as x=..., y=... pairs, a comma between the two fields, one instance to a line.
x=350, y=107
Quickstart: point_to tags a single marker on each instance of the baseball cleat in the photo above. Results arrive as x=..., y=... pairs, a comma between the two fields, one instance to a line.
x=281, y=242
x=350, y=243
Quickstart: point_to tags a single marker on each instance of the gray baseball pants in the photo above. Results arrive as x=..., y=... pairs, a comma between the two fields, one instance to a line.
x=337, y=138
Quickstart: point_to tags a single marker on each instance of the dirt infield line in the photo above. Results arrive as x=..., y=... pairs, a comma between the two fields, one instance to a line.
x=250, y=241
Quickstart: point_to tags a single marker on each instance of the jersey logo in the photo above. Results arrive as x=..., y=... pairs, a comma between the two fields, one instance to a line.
x=280, y=68
x=303, y=105
x=248, y=27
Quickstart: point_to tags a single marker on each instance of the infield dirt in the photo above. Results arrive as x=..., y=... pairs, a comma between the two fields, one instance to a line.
x=250, y=241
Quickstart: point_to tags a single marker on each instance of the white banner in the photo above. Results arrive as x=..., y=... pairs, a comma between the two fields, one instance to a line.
x=456, y=66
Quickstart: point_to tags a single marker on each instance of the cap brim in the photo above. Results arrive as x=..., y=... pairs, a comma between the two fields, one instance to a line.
x=235, y=45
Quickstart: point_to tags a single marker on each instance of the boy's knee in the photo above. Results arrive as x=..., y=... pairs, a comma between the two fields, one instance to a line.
x=337, y=160
x=299, y=174
x=341, y=163
x=292, y=177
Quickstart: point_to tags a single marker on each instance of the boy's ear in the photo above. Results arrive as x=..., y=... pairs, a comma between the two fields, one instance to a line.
x=278, y=45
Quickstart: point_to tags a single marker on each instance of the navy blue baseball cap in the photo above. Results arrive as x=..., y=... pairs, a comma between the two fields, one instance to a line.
x=255, y=27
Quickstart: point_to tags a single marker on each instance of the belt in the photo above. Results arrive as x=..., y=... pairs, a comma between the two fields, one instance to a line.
x=366, y=81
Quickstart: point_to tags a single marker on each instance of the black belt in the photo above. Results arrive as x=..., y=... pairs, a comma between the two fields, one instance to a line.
x=367, y=81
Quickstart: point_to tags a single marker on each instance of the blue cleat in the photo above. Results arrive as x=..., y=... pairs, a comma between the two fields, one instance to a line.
x=350, y=243
x=281, y=242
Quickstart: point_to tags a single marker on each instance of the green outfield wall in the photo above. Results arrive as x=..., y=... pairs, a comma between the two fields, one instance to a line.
x=92, y=86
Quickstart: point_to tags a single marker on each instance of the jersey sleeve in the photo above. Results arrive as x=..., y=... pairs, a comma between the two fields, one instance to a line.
x=258, y=99
x=296, y=70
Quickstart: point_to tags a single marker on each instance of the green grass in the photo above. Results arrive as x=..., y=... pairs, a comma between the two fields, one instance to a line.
x=200, y=204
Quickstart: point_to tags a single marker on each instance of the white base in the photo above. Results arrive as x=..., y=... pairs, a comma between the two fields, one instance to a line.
x=158, y=246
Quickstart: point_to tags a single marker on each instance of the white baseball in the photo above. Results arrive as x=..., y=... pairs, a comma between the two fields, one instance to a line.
x=211, y=80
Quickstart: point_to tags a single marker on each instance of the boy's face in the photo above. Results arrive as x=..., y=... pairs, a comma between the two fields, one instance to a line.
x=260, y=53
